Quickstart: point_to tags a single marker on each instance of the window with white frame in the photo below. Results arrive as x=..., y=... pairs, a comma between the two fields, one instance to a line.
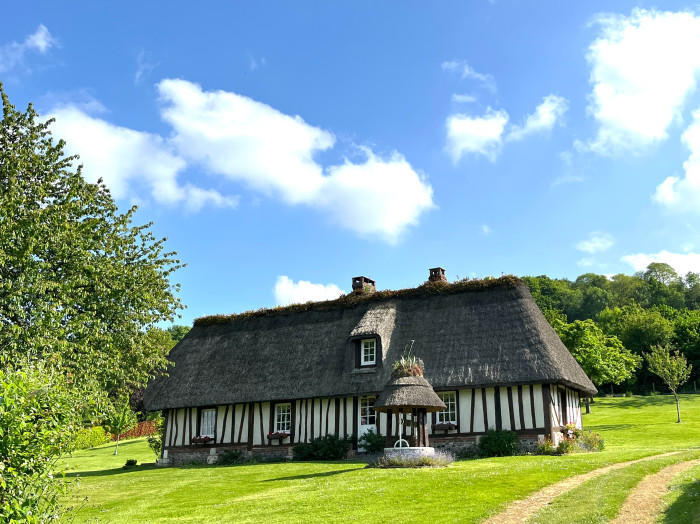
x=207, y=422
x=368, y=417
x=368, y=352
x=449, y=416
x=283, y=418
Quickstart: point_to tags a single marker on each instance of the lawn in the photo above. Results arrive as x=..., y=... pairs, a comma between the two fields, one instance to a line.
x=467, y=491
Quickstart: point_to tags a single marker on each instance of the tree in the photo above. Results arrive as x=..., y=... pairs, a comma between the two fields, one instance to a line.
x=177, y=332
x=120, y=420
x=79, y=283
x=603, y=357
x=673, y=369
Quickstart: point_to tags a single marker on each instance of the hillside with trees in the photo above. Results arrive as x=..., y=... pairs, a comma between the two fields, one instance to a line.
x=610, y=323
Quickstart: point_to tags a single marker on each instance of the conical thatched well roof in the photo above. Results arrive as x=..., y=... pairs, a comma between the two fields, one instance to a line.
x=406, y=393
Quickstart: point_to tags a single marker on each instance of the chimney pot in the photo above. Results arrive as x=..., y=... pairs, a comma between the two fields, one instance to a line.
x=363, y=285
x=437, y=274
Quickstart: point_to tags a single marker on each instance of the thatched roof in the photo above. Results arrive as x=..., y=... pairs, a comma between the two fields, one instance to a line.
x=482, y=334
x=408, y=392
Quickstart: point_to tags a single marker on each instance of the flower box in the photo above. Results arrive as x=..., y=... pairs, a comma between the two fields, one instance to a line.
x=199, y=439
x=444, y=426
x=277, y=435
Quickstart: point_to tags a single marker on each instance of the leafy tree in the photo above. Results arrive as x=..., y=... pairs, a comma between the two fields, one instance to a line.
x=603, y=357
x=686, y=336
x=639, y=329
x=673, y=369
x=79, y=283
x=39, y=413
x=119, y=420
x=177, y=333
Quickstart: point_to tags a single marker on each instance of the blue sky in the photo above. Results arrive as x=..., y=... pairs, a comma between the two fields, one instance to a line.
x=286, y=148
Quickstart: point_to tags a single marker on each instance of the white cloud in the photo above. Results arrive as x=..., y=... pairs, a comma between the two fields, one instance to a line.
x=643, y=67
x=143, y=67
x=256, y=63
x=683, y=194
x=476, y=134
x=289, y=292
x=246, y=140
x=681, y=262
x=486, y=229
x=125, y=158
x=463, y=98
x=545, y=116
x=12, y=54
x=596, y=242
x=466, y=71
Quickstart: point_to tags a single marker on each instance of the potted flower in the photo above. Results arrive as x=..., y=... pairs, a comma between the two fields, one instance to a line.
x=199, y=439
x=277, y=435
x=444, y=426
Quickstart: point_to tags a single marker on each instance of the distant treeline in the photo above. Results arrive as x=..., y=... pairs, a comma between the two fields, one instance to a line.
x=656, y=307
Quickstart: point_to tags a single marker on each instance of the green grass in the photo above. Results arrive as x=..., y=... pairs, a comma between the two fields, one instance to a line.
x=600, y=499
x=467, y=491
x=683, y=501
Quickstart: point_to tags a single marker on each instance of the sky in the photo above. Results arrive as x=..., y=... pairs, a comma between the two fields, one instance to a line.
x=286, y=147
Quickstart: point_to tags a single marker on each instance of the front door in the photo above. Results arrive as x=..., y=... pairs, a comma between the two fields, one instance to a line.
x=368, y=417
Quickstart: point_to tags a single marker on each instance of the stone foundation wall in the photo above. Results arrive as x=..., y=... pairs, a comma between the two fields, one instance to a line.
x=454, y=444
x=210, y=454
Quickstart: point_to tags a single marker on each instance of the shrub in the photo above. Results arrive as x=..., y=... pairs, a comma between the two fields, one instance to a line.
x=576, y=440
x=329, y=447
x=439, y=460
x=466, y=452
x=155, y=441
x=565, y=446
x=498, y=443
x=372, y=442
x=231, y=457
x=628, y=393
x=546, y=447
x=91, y=437
x=130, y=463
x=589, y=441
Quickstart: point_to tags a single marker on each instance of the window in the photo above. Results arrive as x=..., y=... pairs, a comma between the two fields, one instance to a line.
x=367, y=415
x=449, y=416
x=368, y=352
x=207, y=422
x=283, y=418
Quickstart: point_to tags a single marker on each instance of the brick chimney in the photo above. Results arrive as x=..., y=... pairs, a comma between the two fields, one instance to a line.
x=363, y=285
x=437, y=274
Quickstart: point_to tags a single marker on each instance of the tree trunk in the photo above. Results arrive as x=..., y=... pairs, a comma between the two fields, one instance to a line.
x=588, y=405
x=116, y=448
x=678, y=409
x=612, y=391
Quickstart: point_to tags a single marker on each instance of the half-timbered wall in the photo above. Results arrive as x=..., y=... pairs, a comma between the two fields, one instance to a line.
x=518, y=408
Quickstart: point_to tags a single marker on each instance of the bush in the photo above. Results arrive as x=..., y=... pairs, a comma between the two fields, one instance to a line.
x=589, y=441
x=372, y=442
x=130, y=463
x=498, y=443
x=466, y=453
x=628, y=393
x=231, y=457
x=91, y=437
x=546, y=447
x=329, y=447
x=566, y=445
x=439, y=460
x=155, y=441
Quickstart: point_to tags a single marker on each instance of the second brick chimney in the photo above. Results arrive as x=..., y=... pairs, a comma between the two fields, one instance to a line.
x=437, y=274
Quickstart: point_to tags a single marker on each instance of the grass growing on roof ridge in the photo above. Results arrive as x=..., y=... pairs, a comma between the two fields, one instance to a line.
x=351, y=299
x=467, y=491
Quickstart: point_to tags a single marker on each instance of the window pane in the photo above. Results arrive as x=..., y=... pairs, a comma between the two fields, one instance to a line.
x=450, y=413
x=283, y=418
x=206, y=424
x=369, y=351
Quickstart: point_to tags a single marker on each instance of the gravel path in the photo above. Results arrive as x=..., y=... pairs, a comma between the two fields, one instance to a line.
x=521, y=510
x=644, y=503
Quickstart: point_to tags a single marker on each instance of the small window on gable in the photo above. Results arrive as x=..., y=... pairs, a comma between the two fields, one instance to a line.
x=368, y=352
x=283, y=418
x=207, y=421
x=449, y=416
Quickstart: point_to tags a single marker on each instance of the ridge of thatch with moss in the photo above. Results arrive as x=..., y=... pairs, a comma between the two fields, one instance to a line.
x=354, y=298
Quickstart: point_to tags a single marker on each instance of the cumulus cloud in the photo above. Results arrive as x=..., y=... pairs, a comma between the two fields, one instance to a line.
x=596, y=242
x=289, y=292
x=643, y=67
x=463, y=68
x=681, y=262
x=12, y=54
x=275, y=153
x=125, y=158
x=548, y=113
x=480, y=135
x=683, y=194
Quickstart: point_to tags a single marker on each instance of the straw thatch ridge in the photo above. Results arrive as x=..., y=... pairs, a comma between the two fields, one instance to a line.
x=408, y=392
x=482, y=336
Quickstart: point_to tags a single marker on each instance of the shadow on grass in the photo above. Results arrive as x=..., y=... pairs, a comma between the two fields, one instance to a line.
x=611, y=427
x=639, y=402
x=110, y=472
x=686, y=508
x=314, y=475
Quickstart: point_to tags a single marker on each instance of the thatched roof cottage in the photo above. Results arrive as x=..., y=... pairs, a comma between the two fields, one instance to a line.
x=265, y=380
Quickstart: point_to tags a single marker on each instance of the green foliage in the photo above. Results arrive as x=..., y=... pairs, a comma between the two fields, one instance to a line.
x=79, y=283
x=155, y=441
x=602, y=357
x=672, y=368
x=231, y=457
x=39, y=414
x=639, y=329
x=329, y=447
x=177, y=332
x=119, y=419
x=546, y=447
x=372, y=442
x=130, y=463
x=496, y=443
x=90, y=437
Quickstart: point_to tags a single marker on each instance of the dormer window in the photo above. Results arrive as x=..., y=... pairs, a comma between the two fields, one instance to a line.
x=368, y=352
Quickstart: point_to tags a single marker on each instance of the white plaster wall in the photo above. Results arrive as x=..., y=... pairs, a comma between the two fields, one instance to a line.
x=478, y=412
x=491, y=407
x=539, y=406
x=516, y=407
x=527, y=408
x=505, y=411
x=465, y=407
